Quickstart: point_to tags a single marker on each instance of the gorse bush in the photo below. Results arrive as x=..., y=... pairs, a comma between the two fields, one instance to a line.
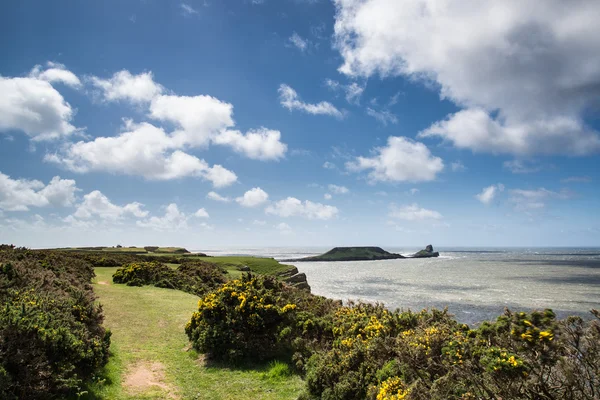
x=51, y=337
x=365, y=351
x=196, y=277
x=242, y=319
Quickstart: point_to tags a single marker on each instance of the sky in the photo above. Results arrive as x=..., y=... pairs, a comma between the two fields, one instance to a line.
x=265, y=123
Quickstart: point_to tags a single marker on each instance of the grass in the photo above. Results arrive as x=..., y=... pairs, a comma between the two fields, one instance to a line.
x=265, y=266
x=147, y=325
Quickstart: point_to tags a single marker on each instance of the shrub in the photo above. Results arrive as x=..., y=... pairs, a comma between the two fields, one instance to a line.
x=378, y=354
x=51, y=337
x=193, y=277
x=242, y=319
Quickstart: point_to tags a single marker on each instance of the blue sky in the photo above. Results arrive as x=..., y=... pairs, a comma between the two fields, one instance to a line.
x=299, y=123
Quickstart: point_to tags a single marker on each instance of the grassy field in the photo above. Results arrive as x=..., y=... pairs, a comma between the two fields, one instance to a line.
x=151, y=355
x=131, y=250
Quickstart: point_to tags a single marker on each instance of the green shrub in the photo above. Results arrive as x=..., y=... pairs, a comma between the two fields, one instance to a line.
x=193, y=277
x=243, y=319
x=51, y=337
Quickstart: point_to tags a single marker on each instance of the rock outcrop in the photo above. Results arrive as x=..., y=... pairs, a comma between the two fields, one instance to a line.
x=427, y=253
x=295, y=279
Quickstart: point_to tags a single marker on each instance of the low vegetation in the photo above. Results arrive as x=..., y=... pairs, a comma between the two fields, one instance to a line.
x=51, y=334
x=365, y=351
x=192, y=277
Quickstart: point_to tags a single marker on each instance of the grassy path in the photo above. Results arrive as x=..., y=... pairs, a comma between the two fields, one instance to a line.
x=152, y=359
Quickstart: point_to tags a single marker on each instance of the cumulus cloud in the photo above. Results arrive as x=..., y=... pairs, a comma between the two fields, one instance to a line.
x=20, y=194
x=292, y=207
x=327, y=196
x=253, y=198
x=525, y=76
x=413, y=212
x=489, y=193
x=55, y=72
x=335, y=189
x=290, y=100
x=123, y=85
x=217, y=197
x=401, y=160
x=97, y=204
x=33, y=106
x=259, y=222
x=384, y=117
x=262, y=144
x=172, y=220
x=199, y=118
x=201, y=213
x=142, y=150
x=329, y=165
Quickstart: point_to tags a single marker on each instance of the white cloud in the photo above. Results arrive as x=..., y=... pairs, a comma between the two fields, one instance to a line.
x=188, y=10
x=55, y=73
x=259, y=222
x=335, y=189
x=200, y=118
x=123, y=85
x=413, y=191
x=352, y=91
x=172, y=220
x=535, y=199
x=458, y=167
x=143, y=150
x=283, y=228
x=327, y=196
x=20, y=194
x=298, y=41
x=201, y=213
x=97, y=204
x=33, y=106
x=253, y=198
x=262, y=144
x=290, y=100
x=489, y=193
x=401, y=160
x=292, y=207
x=413, y=212
x=217, y=197
x=522, y=167
x=525, y=76
x=329, y=165
x=384, y=117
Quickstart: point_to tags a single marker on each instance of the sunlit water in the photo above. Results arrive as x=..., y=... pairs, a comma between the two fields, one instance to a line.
x=474, y=284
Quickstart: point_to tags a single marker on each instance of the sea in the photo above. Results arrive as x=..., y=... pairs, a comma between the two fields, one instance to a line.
x=475, y=284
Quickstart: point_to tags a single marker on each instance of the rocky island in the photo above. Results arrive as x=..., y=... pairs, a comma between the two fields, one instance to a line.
x=353, y=254
x=364, y=254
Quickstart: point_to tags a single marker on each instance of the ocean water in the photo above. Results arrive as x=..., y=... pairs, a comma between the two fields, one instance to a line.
x=475, y=284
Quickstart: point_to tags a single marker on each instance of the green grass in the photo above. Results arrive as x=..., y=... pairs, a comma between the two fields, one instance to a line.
x=148, y=327
x=264, y=266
